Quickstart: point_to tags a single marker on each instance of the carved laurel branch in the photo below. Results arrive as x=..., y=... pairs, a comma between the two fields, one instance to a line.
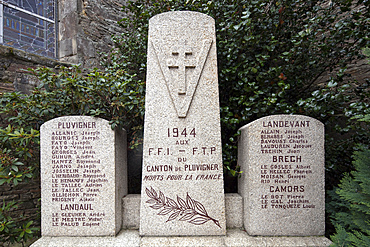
x=190, y=210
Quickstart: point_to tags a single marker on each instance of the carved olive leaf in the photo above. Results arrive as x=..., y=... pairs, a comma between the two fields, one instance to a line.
x=217, y=223
x=149, y=193
x=151, y=201
x=162, y=197
x=190, y=202
x=172, y=203
x=165, y=211
x=157, y=206
x=173, y=216
x=188, y=211
x=199, y=206
x=182, y=203
x=199, y=220
x=187, y=216
x=154, y=193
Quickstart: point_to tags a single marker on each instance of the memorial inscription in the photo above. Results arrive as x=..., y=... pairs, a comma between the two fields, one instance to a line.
x=182, y=184
x=283, y=157
x=79, y=177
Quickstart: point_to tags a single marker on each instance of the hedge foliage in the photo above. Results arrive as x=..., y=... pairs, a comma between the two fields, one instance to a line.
x=110, y=95
x=352, y=218
x=271, y=56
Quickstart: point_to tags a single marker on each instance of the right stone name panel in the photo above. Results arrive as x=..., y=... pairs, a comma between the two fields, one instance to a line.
x=282, y=157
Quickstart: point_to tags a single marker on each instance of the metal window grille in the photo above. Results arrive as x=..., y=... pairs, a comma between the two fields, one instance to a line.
x=29, y=25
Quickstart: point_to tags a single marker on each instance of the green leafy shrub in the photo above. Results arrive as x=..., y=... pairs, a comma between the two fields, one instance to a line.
x=270, y=56
x=19, y=155
x=14, y=229
x=109, y=95
x=113, y=96
x=352, y=221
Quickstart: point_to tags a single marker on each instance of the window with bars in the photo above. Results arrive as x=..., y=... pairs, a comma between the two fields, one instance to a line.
x=29, y=25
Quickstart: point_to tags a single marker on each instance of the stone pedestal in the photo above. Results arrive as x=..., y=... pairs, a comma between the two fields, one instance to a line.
x=182, y=182
x=282, y=186
x=83, y=177
x=235, y=235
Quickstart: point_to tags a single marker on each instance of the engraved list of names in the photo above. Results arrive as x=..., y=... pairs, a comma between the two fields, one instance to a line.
x=283, y=160
x=78, y=157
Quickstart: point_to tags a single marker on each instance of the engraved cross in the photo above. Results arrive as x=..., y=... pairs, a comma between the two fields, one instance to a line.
x=181, y=59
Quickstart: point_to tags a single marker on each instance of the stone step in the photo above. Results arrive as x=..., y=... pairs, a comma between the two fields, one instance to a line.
x=129, y=235
x=131, y=238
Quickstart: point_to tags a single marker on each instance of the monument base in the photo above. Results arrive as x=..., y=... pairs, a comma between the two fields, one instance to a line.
x=234, y=237
x=129, y=236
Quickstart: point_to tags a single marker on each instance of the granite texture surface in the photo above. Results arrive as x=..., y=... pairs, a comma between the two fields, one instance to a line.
x=131, y=211
x=83, y=177
x=282, y=157
x=233, y=238
x=182, y=183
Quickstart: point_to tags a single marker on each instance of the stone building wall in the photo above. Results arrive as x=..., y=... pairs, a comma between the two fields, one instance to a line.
x=27, y=194
x=85, y=29
x=359, y=71
x=13, y=69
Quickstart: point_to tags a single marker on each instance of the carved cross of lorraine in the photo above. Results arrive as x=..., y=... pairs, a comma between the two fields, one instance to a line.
x=181, y=60
x=181, y=84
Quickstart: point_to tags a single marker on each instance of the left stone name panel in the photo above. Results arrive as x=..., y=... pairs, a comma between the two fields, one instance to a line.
x=83, y=177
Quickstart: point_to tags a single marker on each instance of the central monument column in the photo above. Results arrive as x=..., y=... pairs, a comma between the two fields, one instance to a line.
x=182, y=185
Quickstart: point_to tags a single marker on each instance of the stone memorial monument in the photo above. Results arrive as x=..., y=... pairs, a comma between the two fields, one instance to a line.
x=182, y=181
x=182, y=201
x=83, y=177
x=282, y=157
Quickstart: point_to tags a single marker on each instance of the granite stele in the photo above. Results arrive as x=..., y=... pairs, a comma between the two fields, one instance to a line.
x=282, y=157
x=182, y=181
x=83, y=177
